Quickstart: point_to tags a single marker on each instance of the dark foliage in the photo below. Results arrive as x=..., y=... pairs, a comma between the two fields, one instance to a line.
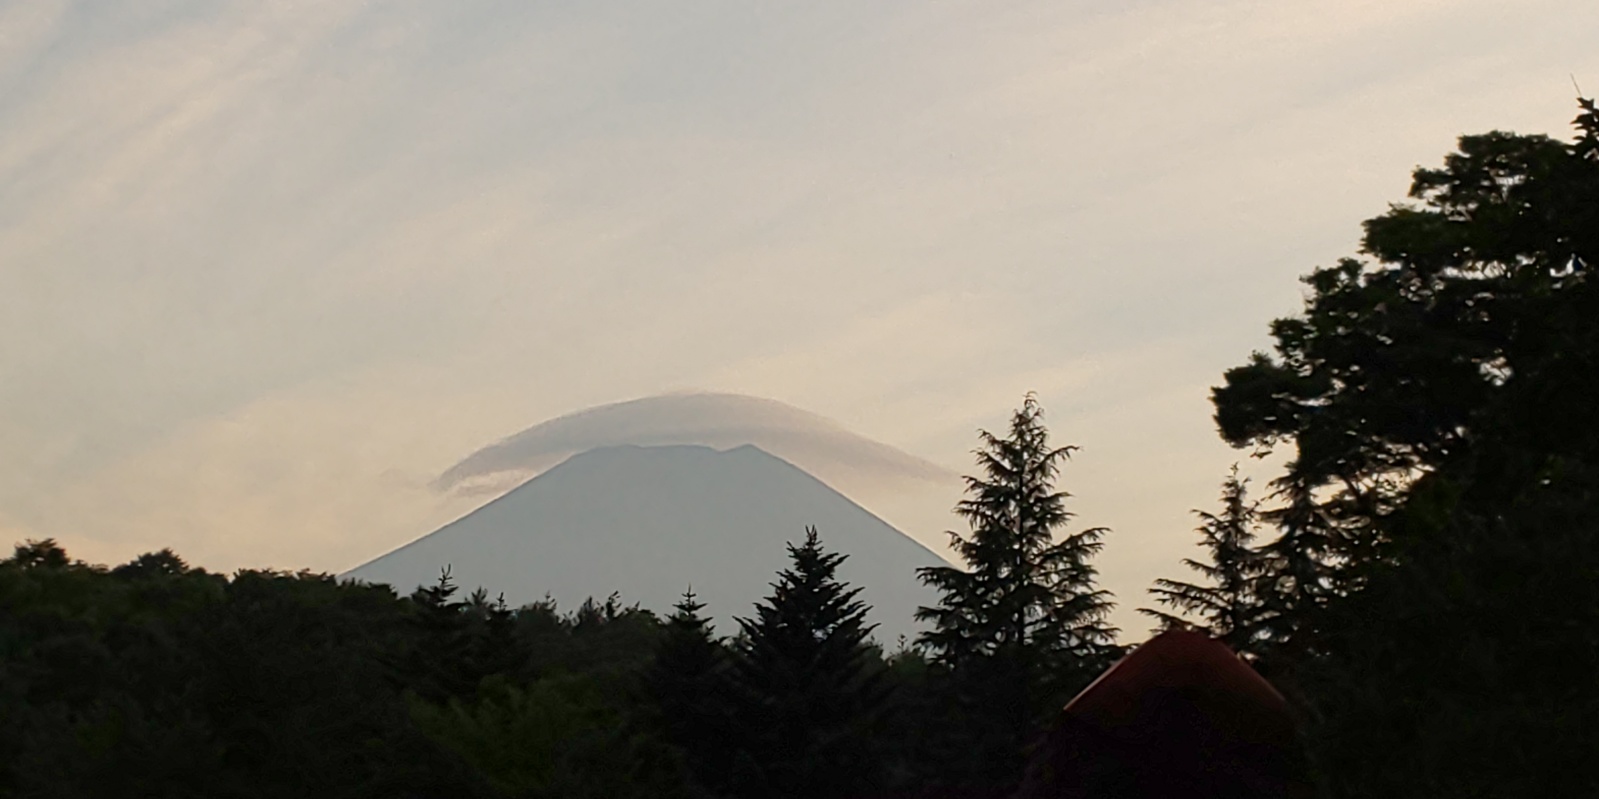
x=1429, y=599
x=1228, y=605
x=1022, y=628
x=690, y=690
x=808, y=696
x=157, y=679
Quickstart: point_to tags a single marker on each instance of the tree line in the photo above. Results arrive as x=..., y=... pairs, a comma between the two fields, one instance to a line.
x=1421, y=580
x=155, y=676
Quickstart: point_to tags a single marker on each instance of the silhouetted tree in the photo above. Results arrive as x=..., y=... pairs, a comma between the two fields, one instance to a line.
x=165, y=562
x=493, y=647
x=689, y=685
x=46, y=554
x=1296, y=575
x=439, y=665
x=1477, y=296
x=1226, y=605
x=809, y=695
x=1430, y=596
x=1023, y=626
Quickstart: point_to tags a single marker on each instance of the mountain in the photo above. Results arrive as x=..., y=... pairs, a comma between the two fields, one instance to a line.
x=650, y=522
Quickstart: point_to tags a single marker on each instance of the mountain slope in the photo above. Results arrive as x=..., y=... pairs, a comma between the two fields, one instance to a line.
x=651, y=521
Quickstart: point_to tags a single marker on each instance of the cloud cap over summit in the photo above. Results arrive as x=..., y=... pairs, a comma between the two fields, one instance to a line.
x=719, y=420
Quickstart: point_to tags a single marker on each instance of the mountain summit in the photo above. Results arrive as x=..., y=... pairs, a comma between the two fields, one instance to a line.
x=649, y=522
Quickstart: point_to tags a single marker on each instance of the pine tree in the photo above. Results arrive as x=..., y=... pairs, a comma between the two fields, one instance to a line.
x=688, y=686
x=438, y=666
x=1295, y=576
x=493, y=647
x=1023, y=627
x=1227, y=606
x=809, y=695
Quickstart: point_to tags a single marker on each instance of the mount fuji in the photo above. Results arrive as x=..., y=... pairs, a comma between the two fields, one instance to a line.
x=650, y=522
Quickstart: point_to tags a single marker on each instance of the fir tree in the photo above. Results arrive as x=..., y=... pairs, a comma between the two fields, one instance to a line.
x=809, y=695
x=1023, y=627
x=1024, y=590
x=687, y=685
x=1295, y=575
x=1227, y=606
x=439, y=664
x=493, y=646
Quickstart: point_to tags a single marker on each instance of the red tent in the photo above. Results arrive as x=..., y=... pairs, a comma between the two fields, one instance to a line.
x=1181, y=717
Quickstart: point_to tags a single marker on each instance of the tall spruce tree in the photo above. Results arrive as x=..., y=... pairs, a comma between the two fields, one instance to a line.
x=1023, y=626
x=809, y=687
x=1226, y=605
x=687, y=685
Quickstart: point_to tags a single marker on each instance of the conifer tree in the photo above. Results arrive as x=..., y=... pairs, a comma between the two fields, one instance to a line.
x=1295, y=573
x=493, y=647
x=1024, y=589
x=439, y=663
x=809, y=695
x=1023, y=626
x=687, y=684
x=1227, y=606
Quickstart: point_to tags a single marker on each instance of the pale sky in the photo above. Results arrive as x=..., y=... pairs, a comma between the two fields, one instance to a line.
x=268, y=269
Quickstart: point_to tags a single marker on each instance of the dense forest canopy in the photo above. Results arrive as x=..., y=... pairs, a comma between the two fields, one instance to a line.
x=1421, y=581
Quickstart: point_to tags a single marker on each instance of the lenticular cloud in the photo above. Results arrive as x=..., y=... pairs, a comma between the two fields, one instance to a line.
x=812, y=442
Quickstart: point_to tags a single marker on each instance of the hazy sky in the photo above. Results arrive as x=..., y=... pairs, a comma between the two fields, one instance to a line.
x=267, y=269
